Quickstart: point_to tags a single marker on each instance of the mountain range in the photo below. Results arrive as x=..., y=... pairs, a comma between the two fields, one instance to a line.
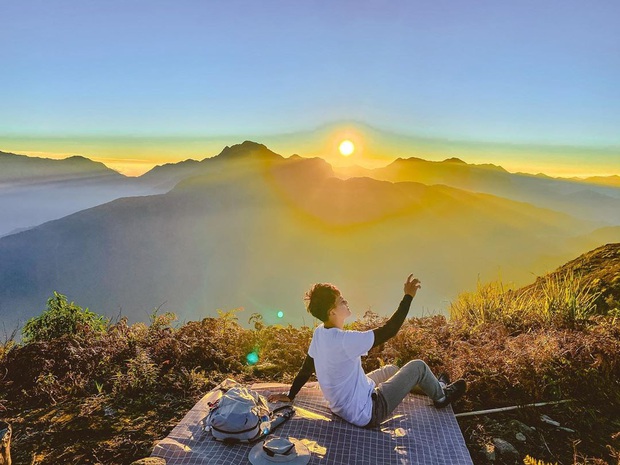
x=35, y=190
x=250, y=228
x=596, y=199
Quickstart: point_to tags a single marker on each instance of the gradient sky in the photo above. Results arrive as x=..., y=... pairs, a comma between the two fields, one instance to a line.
x=113, y=79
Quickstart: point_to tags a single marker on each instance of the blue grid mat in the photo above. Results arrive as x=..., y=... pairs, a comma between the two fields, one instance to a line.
x=416, y=433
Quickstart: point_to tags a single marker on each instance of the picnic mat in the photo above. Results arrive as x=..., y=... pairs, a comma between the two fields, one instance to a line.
x=416, y=433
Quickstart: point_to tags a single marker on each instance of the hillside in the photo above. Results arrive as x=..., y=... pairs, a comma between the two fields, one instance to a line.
x=281, y=224
x=66, y=406
x=598, y=271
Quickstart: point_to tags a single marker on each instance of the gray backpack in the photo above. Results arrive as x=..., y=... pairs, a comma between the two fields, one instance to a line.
x=243, y=415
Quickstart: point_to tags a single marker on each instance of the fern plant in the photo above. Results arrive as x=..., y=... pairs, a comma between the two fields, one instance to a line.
x=63, y=318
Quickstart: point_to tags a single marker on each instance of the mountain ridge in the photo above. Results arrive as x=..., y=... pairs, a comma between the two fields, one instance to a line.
x=35, y=190
x=584, y=200
x=16, y=168
x=281, y=224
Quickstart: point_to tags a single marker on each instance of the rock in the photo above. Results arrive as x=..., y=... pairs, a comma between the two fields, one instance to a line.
x=505, y=451
x=150, y=461
x=566, y=430
x=522, y=428
x=549, y=421
x=520, y=437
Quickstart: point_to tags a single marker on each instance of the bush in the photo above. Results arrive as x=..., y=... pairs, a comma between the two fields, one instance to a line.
x=63, y=318
x=141, y=375
x=280, y=350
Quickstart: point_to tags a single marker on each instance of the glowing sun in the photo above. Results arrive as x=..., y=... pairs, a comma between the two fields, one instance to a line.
x=346, y=148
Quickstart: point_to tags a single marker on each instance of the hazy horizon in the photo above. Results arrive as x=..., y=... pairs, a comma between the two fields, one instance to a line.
x=135, y=155
x=529, y=86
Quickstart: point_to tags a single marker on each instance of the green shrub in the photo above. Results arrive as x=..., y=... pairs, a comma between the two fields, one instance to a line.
x=63, y=318
x=141, y=375
x=280, y=350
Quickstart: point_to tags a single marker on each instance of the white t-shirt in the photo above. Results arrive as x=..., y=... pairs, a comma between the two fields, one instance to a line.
x=338, y=365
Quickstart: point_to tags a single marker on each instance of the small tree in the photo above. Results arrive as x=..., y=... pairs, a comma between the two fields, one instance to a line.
x=63, y=318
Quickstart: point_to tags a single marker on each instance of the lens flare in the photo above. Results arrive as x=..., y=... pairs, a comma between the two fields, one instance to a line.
x=280, y=314
x=252, y=358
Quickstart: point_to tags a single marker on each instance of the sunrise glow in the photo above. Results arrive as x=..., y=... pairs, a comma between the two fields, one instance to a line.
x=346, y=148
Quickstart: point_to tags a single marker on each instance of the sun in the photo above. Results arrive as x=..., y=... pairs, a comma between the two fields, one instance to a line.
x=346, y=148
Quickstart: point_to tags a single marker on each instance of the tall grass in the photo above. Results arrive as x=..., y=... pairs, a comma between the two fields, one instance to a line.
x=555, y=301
x=566, y=300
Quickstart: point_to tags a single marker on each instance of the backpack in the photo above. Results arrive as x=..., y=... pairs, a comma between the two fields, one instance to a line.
x=243, y=415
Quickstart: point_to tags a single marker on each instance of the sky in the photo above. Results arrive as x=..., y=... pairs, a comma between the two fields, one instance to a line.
x=529, y=85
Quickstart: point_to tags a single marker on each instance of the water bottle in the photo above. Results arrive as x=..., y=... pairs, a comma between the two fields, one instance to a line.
x=265, y=425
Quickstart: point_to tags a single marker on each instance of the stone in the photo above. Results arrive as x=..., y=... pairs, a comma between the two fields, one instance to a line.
x=150, y=461
x=520, y=437
x=521, y=427
x=505, y=451
x=566, y=430
x=549, y=421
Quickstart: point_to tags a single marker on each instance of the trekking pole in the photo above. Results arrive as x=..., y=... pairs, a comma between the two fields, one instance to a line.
x=506, y=409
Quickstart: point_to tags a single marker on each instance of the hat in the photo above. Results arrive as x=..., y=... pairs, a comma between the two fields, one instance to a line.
x=280, y=450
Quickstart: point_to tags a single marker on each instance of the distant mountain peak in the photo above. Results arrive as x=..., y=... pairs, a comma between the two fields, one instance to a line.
x=454, y=160
x=247, y=148
x=401, y=160
x=80, y=159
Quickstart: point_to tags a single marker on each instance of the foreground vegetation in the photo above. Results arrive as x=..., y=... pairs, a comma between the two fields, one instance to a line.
x=80, y=389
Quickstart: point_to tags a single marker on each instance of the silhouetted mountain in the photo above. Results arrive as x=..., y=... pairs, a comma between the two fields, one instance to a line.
x=586, y=201
x=35, y=190
x=167, y=176
x=253, y=229
x=22, y=169
x=454, y=160
x=613, y=181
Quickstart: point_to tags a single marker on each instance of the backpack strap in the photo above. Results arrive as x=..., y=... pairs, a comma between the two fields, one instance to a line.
x=278, y=417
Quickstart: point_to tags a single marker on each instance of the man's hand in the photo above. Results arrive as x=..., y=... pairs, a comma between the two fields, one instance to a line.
x=278, y=398
x=412, y=285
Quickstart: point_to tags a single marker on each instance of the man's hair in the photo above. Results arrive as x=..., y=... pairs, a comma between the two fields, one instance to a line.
x=320, y=298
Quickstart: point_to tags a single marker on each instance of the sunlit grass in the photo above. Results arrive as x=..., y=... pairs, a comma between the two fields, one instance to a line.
x=555, y=301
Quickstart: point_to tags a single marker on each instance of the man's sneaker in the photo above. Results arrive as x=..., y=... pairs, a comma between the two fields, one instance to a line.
x=444, y=379
x=452, y=393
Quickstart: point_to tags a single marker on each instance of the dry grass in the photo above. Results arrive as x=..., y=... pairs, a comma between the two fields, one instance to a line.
x=122, y=390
